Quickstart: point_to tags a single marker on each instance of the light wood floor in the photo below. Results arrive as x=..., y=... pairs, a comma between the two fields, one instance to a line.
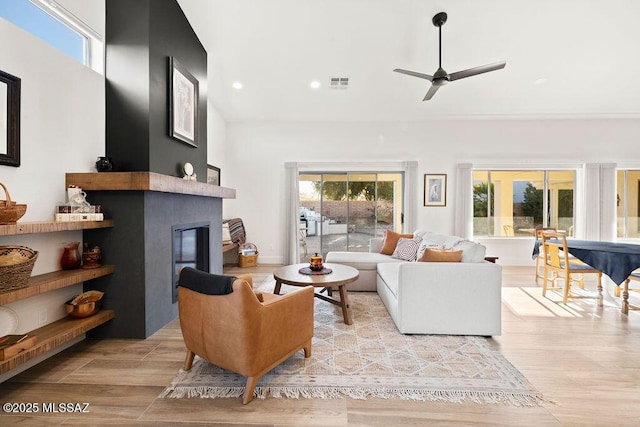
x=584, y=359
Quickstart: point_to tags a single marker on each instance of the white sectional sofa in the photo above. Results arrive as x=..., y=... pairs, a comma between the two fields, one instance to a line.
x=452, y=298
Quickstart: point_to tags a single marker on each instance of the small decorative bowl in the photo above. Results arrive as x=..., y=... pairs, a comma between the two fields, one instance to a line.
x=86, y=309
x=84, y=305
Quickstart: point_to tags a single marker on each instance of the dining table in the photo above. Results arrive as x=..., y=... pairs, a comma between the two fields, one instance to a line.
x=616, y=260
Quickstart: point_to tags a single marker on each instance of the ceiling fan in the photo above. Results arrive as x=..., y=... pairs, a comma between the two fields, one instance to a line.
x=441, y=77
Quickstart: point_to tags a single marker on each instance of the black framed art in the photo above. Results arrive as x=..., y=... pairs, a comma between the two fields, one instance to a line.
x=183, y=103
x=213, y=175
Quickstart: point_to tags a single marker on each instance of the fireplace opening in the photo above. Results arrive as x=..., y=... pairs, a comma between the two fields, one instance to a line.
x=190, y=249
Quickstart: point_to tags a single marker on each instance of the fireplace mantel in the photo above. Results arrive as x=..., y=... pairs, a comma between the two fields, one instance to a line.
x=146, y=181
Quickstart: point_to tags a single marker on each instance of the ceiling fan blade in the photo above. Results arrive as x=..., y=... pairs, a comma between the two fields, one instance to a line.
x=432, y=91
x=476, y=70
x=414, y=74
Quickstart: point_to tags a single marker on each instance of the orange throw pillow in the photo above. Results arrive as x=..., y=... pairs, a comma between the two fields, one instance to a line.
x=391, y=241
x=435, y=255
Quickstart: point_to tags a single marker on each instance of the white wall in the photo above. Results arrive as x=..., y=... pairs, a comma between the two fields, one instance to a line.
x=256, y=153
x=62, y=130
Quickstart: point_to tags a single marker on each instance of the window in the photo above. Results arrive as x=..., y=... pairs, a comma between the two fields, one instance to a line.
x=628, y=203
x=511, y=203
x=58, y=27
x=342, y=211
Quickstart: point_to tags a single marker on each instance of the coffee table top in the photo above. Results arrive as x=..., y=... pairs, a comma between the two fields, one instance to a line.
x=341, y=275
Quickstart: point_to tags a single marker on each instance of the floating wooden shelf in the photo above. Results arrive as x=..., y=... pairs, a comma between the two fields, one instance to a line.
x=52, y=281
x=146, y=181
x=54, y=335
x=51, y=227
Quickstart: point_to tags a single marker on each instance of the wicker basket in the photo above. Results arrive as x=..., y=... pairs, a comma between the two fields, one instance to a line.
x=247, y=260
x=10, y=211
x=16, y=264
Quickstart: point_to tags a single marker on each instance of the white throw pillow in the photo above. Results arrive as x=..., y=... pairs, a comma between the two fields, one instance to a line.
x=471, y=252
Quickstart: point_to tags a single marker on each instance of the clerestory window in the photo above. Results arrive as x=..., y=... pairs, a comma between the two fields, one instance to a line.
x=53, y=24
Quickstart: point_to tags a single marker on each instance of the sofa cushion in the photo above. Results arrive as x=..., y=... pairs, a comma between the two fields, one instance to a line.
x=391, y=240
x=388, y=272
x=406, y=249
x=360, y=260
x=441, y=255
x=471, y=252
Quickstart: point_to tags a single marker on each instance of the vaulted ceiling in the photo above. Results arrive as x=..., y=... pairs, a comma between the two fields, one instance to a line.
x=565, y=58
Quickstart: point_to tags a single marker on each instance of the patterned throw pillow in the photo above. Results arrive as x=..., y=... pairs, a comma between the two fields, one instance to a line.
x=440, y=255
x=406, y=249
x=391, y=240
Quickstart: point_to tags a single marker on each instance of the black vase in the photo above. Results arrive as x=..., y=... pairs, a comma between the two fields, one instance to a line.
x=104, y=164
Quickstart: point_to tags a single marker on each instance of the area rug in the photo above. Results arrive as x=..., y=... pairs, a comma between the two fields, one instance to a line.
x=371, y=359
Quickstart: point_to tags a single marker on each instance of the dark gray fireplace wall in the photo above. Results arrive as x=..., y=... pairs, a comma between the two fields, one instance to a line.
x=140, y=37
x=139, y=245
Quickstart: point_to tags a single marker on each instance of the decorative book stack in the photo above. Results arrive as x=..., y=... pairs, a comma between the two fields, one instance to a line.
x=66, y=213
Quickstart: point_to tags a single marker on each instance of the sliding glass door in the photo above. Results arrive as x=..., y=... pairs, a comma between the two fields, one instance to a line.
x=341, y=211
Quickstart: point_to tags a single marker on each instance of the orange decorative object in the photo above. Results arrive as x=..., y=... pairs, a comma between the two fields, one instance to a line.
x=315, y=262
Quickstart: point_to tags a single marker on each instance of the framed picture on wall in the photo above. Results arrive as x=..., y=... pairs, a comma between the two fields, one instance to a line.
x=183, y=103
x=435, y=189
x=213, y=175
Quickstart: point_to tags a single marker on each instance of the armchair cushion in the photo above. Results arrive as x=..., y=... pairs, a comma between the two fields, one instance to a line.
x=206, y=283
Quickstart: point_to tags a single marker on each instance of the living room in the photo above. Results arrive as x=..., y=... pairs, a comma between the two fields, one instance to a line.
x=497, y=121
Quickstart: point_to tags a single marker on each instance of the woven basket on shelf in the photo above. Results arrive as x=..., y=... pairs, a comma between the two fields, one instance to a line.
x=16, y=264
x=10, y=211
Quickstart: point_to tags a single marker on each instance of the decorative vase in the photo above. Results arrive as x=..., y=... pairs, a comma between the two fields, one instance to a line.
x=104, y=164
x=70, y=256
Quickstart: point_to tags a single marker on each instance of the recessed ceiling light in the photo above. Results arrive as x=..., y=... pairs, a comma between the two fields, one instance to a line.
x=315, y=84
x=237, y=85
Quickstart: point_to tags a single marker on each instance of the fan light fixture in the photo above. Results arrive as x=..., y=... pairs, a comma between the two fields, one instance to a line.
x=441, y=77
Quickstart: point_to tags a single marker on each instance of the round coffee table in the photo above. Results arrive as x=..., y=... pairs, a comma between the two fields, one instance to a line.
x=338, y=278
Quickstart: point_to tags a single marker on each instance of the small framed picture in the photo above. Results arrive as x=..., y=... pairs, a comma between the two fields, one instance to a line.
x=435, y=189
x=213, y=175
x=183, y=103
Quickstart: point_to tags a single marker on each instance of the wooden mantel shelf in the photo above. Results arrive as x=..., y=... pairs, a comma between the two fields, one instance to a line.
x=146, y=181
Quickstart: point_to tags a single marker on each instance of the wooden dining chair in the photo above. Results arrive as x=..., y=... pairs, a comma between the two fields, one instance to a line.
x=558, y=261
x=635, y=276
x=508, y=230
x=540, y=258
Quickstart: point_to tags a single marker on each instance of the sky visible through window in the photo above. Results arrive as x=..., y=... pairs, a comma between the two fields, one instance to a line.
x=31, y=18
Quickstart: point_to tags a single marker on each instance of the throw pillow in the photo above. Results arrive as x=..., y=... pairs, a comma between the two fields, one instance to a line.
x=391, y=240
x=438, y=255
x=226, y=234
x=406, y=249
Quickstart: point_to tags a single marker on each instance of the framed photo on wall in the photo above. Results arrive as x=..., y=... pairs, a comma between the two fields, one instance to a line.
x=183, y=103
x=213, y=175
x=435, y=189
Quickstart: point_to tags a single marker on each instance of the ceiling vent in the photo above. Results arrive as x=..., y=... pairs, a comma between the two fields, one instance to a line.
x=339, y=82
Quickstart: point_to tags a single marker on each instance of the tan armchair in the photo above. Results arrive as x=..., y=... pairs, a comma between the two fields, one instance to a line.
x=244, y=331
